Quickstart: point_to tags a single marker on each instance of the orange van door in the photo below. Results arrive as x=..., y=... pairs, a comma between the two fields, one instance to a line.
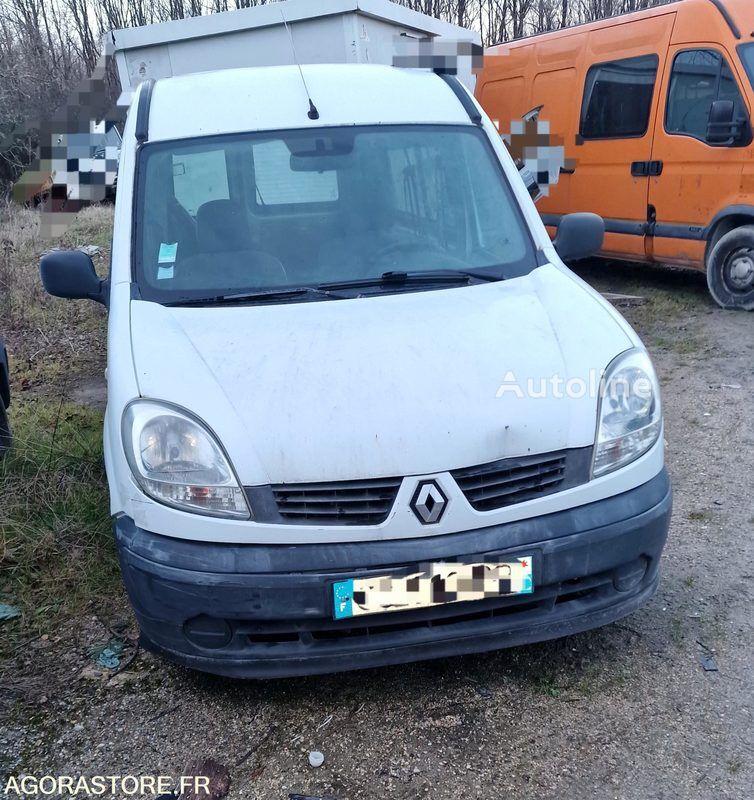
x=622, y=64
x=539, y=86
x=695, y=178
x=555, y=91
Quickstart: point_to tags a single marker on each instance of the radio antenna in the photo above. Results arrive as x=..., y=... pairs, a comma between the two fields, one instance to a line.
x=313, y=113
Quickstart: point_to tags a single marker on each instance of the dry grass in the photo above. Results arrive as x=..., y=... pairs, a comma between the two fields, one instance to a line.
x=48, y=337
x=673, y=299
x=56, y=549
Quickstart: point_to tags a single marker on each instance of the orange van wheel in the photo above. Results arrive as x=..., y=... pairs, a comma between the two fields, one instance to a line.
x=730, y=269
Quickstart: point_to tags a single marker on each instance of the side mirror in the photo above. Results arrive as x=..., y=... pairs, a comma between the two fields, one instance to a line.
x=71, y=274
x=721, y=122
x=579, y=236
x=723, y=129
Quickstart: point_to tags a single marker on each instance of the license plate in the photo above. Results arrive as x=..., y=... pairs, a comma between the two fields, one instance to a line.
x=433, y=584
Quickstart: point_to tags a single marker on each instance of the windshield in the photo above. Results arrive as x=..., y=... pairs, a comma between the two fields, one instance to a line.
x=746, y=51
x=248, y=212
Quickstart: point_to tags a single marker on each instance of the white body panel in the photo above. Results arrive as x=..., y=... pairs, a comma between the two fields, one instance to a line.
x=400, y=385
x=380, y=386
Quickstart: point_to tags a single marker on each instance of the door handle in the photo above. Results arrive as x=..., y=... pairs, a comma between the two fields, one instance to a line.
x=640, y=169
x=646, y=169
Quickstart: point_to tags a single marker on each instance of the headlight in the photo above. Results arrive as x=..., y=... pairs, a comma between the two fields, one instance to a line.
x=177, y=461
x=629, y=415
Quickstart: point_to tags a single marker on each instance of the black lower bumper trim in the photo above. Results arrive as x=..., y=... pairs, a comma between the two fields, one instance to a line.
x=261, y=611
x=470, y=642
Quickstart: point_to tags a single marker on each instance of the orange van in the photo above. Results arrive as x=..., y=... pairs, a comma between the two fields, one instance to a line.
x=654, y=112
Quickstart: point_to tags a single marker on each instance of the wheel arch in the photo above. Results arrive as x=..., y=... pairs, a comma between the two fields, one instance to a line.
x=724, y=222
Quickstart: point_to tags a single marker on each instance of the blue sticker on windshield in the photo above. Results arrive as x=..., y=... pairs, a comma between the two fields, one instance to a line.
x=167, y=253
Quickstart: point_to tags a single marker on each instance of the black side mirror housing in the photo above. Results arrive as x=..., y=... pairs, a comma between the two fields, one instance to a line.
x=721, y=121
x=579, y=236
x=71, y=274
x=723, y=129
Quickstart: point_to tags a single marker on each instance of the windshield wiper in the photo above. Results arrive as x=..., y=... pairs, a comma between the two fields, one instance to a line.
x=261, y=296
x=415, y=277
x=387, y=280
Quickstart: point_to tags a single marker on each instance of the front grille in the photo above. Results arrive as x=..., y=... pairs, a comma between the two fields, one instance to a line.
x=514, y=480
x=368, y=502
x=361, y=502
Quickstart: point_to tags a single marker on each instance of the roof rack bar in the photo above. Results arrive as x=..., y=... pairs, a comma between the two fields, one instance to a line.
x=718, y=4
x=142, y=111
x=475, y=115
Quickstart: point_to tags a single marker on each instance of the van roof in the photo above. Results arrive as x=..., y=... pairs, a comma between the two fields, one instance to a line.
x=274, y=98
x=736, y=13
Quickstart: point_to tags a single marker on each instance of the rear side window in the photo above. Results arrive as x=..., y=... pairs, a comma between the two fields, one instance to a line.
x=418, y=191
x=618, y=98
x=199, y=177
x=277, y=184
x=699, y=78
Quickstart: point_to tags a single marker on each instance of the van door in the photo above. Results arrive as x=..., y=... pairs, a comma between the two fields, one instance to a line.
x=556, y=92
x=695, y=179
x=616, y=126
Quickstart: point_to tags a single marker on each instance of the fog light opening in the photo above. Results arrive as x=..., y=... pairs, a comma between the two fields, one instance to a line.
x=208, y=632
x=629, y=576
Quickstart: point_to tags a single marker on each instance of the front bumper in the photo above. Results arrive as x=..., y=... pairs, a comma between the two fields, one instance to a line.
x=262, y=611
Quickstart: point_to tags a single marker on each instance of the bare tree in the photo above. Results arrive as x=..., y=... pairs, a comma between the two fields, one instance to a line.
x=46, y=46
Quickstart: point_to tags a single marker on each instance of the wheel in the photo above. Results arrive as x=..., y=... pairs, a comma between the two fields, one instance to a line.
x=5, y=437
x=730, y=269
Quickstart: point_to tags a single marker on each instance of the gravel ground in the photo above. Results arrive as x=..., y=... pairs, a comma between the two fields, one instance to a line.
x=624, y=712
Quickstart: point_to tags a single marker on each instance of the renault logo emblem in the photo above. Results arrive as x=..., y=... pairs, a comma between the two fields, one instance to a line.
x=429, y=502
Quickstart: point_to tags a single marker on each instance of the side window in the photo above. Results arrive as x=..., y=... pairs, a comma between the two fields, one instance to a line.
x=199, y=178
x=417, y=179
x=618, y=98
x=699, y=77
x=426, y=193
x=278, y=185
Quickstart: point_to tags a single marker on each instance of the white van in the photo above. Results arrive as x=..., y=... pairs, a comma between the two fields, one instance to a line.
x=359, y=412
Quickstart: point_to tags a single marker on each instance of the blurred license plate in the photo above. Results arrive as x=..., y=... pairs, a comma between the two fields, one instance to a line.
x=431, y=585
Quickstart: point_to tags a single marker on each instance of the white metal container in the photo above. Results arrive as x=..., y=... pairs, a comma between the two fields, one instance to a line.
x=326, y=32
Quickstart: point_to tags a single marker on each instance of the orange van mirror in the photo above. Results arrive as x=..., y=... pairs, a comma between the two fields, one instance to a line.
x=723, y=128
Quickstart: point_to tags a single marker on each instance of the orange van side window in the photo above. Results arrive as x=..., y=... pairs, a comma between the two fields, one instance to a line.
x=618, y=98
x=699, y=78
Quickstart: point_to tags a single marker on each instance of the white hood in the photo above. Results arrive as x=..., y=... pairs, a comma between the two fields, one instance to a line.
x=383, y=386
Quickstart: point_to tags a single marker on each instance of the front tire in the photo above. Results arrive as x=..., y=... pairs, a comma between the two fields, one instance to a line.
x=5, y=437
x=730, y=269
